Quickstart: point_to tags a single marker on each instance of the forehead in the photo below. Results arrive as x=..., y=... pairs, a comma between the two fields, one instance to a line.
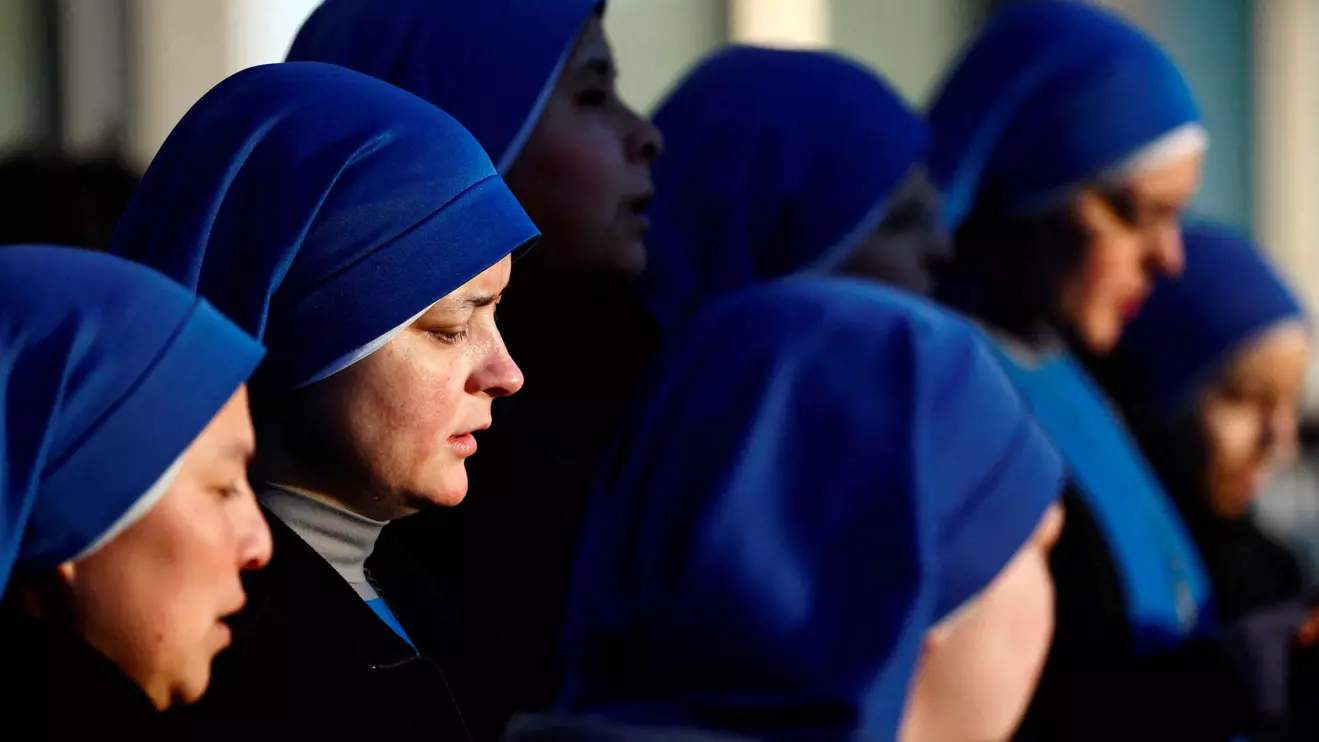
x=486, y=286
x=1279, y=357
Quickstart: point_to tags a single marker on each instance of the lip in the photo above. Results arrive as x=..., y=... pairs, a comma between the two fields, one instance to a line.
x=1131, y=307
x=226, y=634
x=637, y=208
x=463, y=444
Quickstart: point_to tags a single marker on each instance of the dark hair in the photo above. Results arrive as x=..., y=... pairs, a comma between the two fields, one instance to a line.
x=51, y=198
x=1008, y=270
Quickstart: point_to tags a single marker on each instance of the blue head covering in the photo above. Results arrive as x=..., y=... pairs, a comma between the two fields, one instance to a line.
x=321, y=210
x=827, y=469
x=775, y=162
x=1228, y=295
x=1049, y=96
x=108, y=371
x=491, y=64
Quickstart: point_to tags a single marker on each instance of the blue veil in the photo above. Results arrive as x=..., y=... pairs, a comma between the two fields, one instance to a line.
x=322, y=210
x=827, y=468
x=108, y=371
x=1228, y=295
x=491, y=64
x=775, y=162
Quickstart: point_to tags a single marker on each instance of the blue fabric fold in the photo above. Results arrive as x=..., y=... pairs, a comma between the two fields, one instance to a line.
x=1049, y=96
x=827, y=468
x=775, y=162
x=489, y=63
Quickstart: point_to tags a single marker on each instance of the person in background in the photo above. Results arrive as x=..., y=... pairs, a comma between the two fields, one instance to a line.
x=364, y=235
x=1068, y=145
x=780, y=162
x=52, y=198
x=125, y=514
x=754, y=571
x=534, y=81
x=1209, y=377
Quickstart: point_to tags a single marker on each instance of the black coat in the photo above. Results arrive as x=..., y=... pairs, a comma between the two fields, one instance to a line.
x=310, y=660
x=57, y=687
x=558, y=728
x=1094, y=685
x=1247, y=569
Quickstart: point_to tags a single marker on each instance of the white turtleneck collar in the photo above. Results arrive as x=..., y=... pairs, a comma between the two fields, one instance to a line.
x=341, y=537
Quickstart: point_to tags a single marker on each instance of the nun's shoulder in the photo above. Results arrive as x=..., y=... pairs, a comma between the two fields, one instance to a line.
x=564, y=728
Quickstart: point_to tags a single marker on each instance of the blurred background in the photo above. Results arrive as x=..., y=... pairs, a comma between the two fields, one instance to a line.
x=102, y=80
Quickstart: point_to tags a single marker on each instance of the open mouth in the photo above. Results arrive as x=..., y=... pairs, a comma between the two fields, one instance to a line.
x=638, y=207
x=464, y=444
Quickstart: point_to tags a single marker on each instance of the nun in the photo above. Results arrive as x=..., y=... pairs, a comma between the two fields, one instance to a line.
x=1068, y=145
x=126, y=515
x=1210, y=378
x=755, y=571
x=534, y=81
x=364, y=235
x=785, y=161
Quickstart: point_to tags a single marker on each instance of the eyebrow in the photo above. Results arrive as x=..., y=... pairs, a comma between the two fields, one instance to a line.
x=598, y=67
x=476, y=302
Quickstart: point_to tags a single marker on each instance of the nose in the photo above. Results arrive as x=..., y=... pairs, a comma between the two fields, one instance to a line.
x=1282, y=432
x=254, y=543
x=646, y=142
x=498, y=375
x=1168, y=258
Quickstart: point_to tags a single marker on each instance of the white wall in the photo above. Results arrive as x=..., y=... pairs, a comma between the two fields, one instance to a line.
x=910, y=42
x=182, y=48
x=23, y=73
x=656, y=41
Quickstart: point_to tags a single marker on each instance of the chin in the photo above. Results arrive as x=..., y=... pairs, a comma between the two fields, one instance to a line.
x=447, y=487
x=629, y=260
x=1101, y=338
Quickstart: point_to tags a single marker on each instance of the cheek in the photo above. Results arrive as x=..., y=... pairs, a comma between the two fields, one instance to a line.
x=1233, y=438
x=403, y=410
x=569, y=177
x=1110, y=269
x=149, y=600
x=999, y=653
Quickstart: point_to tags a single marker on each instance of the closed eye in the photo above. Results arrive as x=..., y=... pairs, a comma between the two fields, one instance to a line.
x=451, y=337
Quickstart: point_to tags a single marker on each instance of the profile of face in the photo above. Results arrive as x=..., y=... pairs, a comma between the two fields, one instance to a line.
x=980, y=665
x=1133, y=238
x=909, y=243
x=394, y=430
x=1248, y=416
x=584, y=174
x=153, y=599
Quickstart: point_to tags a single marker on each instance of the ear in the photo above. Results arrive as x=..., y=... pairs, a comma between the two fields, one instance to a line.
x=46, y=595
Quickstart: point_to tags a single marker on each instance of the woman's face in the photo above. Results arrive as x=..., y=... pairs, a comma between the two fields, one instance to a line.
x=980, y=665
x=154, y=599
x=584, y=174
x=1133, y=237
x=1248, y=416
x=394, y=430
x=909, y=243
